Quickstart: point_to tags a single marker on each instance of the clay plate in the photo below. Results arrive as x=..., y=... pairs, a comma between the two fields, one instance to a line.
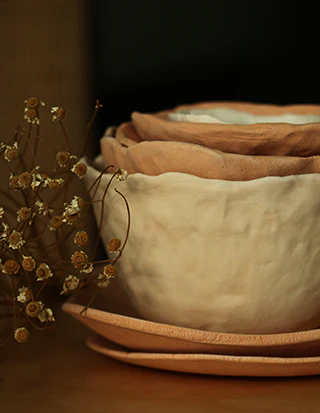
x=211, y=364
x=151, y=337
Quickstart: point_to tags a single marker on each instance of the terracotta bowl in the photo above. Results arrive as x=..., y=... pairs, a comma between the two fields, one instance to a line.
x=231, y=141
x=224, y=256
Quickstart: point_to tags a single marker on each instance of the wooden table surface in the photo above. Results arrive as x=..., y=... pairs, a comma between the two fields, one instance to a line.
x=56, y=372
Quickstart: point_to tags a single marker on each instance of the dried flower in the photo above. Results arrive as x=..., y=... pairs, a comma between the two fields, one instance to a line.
x=10, y=267
x=55, y=222
x=33, y=103
x=12, y=152
x=110, y=270
x=25, y=179
x=80, y=169
x=63, y=158
x=31, y=113
x=31, y=116
x=43, y=272
x=87, y=269
x=58, y=113
x=21, y=334
x=104, y=281
x=121, y=174
x=28, y=263
x=15, y=240
x=46, y=315
x=81, y=238
x=14, y=181
x=24, y=295
x=43, y=208
x=114, y=245
x=33, y=308
x=25, y=214
x=55, y=183
x=71, y=283
x=79, y=259
x=70, y=219
x=1, y=211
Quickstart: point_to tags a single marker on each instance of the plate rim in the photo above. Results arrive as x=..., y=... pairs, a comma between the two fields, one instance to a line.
x=176, y=332
x=276, y=366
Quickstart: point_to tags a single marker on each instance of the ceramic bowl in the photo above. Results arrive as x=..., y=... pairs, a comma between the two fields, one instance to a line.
x=224, y=256
x=231, y=141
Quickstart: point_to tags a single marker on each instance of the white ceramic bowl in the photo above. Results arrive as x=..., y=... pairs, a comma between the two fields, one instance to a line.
x=224, y=256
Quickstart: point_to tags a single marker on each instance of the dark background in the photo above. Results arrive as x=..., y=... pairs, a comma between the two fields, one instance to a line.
x=149, y=56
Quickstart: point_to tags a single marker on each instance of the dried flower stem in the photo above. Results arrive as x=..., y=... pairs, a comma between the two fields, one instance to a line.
x=89, y=127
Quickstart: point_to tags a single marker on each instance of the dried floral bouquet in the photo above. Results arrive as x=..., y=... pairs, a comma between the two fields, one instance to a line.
x=43, y=225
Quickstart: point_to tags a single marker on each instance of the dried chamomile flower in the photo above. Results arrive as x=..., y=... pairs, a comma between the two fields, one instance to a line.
x=121, y=174
x=31, y=116
x=55, y=183
x=28, y=263
x=33, y=308
x=33, y=103
x=63, y=158
x=15, y=240
x=31, y=113
x=70, y=218
x=58, y=113
x=114, y=245
x=104, y=281
x=79, y=259
x=24, y=295
x=71, y=211
x=80, y=169
x=25, y=179
x=25, y=214
x=1, y=211
x=10, y=267
x=71, y=283
x=87, y=269
x=43, y=208
x=43, y=272
x=21, y=334
x=12, y=152
x=73, y=207
x=55, y=222
x=14, y=181
x=110, y=270
x=46, y=315
x=81, y=238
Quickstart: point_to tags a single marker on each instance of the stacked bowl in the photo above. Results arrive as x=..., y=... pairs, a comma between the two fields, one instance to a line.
x=222, y=262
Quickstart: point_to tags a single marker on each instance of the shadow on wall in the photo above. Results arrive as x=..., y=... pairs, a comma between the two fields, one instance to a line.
x=150, y=56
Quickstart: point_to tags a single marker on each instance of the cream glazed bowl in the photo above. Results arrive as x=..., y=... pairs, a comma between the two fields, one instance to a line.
x=224, y=256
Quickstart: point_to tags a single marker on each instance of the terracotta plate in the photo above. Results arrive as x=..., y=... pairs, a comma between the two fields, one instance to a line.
x=211, y=364
x=151, y=337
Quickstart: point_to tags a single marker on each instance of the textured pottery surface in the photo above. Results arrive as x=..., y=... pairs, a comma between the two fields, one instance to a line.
x=211, y=364
x=224, y=256
x=231, y=141
x=147, y=336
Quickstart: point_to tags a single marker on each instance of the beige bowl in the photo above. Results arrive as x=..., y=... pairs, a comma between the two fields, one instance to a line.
x=224, y=256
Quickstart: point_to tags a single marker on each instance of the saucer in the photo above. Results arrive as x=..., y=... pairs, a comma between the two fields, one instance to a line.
x=211, y=364
x=151, y=337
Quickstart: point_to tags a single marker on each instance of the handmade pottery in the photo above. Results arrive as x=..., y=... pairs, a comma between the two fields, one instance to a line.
x=211, y=364
x=147, y=336
x=248, y=141
x=223, y=256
